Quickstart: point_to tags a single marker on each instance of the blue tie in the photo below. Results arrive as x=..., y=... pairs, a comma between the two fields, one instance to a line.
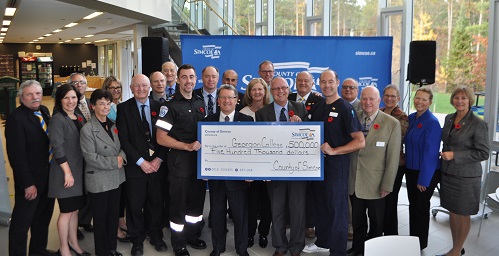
x=210, y=104
x=282, y=116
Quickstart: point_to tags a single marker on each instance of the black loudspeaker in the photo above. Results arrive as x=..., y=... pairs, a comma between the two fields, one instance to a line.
x=154, y=54
x=421, y=68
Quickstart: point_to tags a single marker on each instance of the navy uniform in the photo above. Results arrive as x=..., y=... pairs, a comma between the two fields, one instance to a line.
x=179, y=118
x=331, y=195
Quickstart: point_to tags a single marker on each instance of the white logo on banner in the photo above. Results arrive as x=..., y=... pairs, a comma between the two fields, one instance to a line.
x=367, y=81
x=209, y=51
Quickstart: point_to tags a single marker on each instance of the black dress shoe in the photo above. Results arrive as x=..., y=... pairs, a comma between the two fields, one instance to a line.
x=263, y=241
x=79, y=234
x=83, y=253
x=126, y=239
x=251, y=242
x=115, y=253
x=88, y=227
x=197, y=244
x=159, y=244
x=137, y=249
x=181, y=252
x=215, y=253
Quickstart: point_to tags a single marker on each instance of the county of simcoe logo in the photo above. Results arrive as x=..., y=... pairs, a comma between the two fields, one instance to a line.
x=209, y=51
x=304, y=134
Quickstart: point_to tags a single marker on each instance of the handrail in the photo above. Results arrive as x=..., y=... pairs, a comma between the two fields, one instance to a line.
x=217, y=13
x=185, y=18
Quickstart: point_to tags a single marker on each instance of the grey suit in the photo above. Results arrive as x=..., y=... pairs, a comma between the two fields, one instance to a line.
x=100, y=153
x=65, y=140
x=356, y=105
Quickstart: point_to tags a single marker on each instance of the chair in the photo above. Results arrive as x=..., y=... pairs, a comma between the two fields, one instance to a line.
x=492, y=196
x=392, y=246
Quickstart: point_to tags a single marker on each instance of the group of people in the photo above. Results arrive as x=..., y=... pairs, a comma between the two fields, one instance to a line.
x=141, y=155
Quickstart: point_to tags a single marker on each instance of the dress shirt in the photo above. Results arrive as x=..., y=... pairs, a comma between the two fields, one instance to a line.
x=148, y=118
x=277, y=109
x=298, y=97
x=206, y=99
x=231, y=116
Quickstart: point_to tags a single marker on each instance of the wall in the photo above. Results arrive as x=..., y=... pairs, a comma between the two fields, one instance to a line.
x=63, y=54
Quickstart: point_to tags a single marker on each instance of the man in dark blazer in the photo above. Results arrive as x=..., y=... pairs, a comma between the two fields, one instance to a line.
x=372, y=169
x=208, y=92
x=294, y=192
x=137, y=133
x=169, y=69
x=235, y=191
x=28, y=151
x=230, y=77
x=158, y=86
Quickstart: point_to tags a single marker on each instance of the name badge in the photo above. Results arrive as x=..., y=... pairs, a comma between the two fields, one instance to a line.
x=151, y=152
x=333, y=114
x=380, y=144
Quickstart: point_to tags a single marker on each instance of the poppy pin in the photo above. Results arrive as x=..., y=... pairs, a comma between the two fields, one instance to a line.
x=330, y=119
x=80, y=119
x=376, y=126
x=201, y=109
x=153, y=113
x=291, y=113
x=115, y=130
x=457, y=126
x=419, y=126
x=308, y=108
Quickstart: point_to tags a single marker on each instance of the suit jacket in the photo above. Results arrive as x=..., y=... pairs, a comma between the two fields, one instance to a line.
x=28, y=148
x=267, y=113
x=374, y=167
x=100, y=153
x=469, y=142
x=65, y=141
x=132, y=136
x=151, y=97
x=239, y=105
x=356, y=105
x=232, y=185
x=311, y=100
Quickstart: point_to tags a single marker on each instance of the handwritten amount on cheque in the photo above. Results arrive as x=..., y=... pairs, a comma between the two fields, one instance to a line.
x=266, y=147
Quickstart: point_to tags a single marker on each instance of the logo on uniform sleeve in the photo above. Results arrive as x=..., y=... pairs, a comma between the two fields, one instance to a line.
x=162, y=111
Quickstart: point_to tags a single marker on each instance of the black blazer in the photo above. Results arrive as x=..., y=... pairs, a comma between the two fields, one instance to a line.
x=232, y=185
x=132, y=136
x=267, y=113
x=311, y=100
x=28, y=148
x=240, y=104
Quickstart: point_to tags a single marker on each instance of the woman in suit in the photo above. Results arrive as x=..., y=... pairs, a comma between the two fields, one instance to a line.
x=66, y=174
x=422, y=146
x=104, y=172
x=466, y=144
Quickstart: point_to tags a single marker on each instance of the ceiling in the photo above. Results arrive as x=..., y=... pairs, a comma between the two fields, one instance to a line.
x=35, y=18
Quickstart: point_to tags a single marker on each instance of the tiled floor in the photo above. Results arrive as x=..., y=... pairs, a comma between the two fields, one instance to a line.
x=440, y=240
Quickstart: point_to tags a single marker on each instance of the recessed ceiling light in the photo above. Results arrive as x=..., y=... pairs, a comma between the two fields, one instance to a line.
x=36, y=40
x=88, y=42
x=57, y=30
x=9, y=11
x=89, y=35
x=1, y=37
x=69, y=40
x=93, y=15
x=6, y=22
x=3, y=34
x=72, y=24
x=47, y=35
x=41, y=37
x=77, y=38
x=102, y=40
x=60, y=42
x=4, y=29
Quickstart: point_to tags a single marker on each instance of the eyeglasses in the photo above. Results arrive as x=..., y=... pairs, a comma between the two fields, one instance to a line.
x=283, y=88
x=227, y=97
x=349, y=87
x=114, y=88
x=78, y=82
x=267, y=71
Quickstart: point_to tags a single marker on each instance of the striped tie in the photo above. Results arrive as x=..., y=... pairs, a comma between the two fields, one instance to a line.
x=45, y=129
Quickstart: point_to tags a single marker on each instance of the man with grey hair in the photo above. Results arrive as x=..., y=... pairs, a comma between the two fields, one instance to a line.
x=349, y=92
x=28, y=150
x=169, y=69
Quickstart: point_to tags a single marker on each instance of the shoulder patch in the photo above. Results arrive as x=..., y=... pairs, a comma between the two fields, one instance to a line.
x=162, y=111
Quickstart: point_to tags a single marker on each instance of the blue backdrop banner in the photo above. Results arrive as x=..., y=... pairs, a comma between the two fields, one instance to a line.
x=367, y=59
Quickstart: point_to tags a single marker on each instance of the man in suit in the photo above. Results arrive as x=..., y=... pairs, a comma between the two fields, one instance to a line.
x=266, y=71
x=294, y=192
x=235, y=191
x=230, y=77
x=304, y=95
x=178, y=131
x=158, y=86
x=28, y=144
x=350, y=91
x=137, y=133
x=169, y=69
x=372, y=169
x=209, y=90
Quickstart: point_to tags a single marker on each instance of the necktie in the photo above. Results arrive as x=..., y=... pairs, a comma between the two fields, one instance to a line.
x=282, y=116
x=146, y=124
x=162, y=100
x=170, y=91
x=210, y=104
x=45, y=129
x=302, y=100
x=84, y=109
x=367, y=123
x=227, y=119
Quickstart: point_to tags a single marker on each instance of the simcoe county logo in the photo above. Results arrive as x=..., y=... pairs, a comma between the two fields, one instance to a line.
x=304, y=134
x=209, y=51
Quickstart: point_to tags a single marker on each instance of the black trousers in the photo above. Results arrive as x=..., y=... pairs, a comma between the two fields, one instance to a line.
x=35, y=215
x=310, y=221
x=259, y=204
x=123, y=199
x=375, y=211
x=105, y=210
x=419, y=205
x=390, y=223
x=144, y=195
